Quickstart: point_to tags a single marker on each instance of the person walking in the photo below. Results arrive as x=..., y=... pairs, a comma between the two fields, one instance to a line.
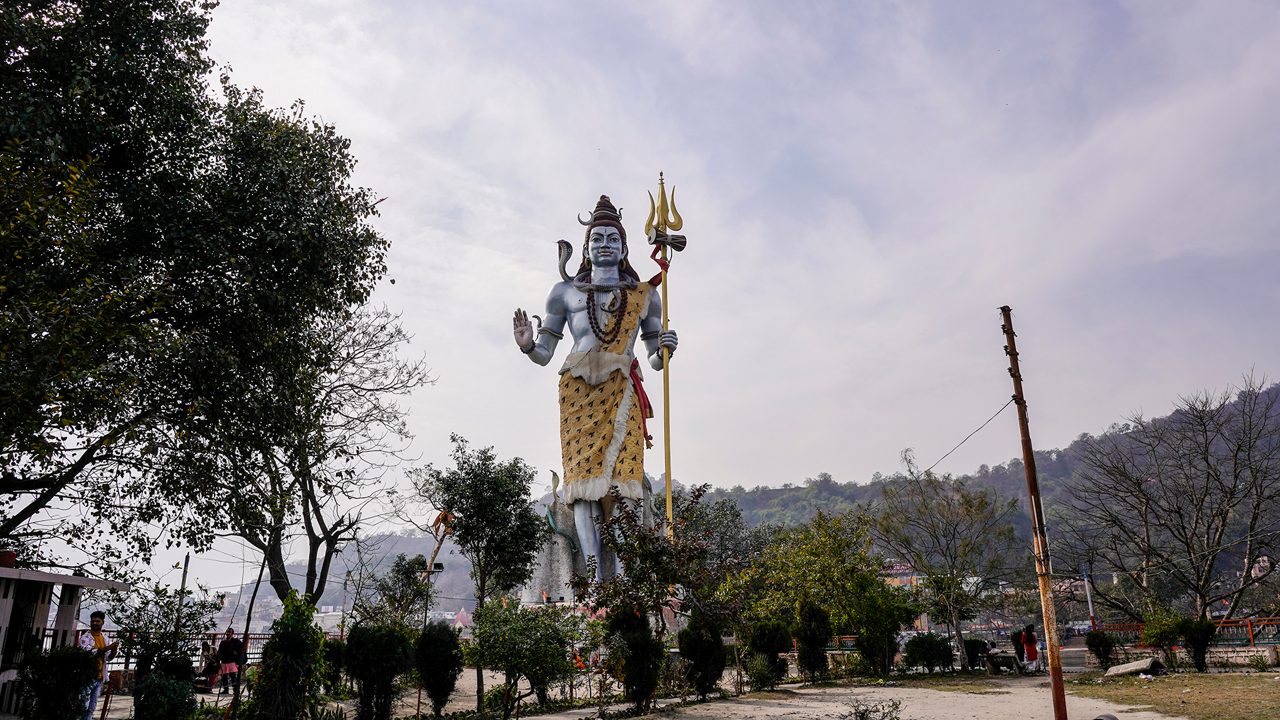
x=230, y=650
x=95, y=642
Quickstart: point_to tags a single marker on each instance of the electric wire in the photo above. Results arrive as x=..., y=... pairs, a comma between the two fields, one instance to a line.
x=966, y=437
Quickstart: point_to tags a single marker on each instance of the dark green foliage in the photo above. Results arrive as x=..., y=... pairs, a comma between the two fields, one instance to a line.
x=761, y=672
x=334, y=653
x=148, y=621
x=974, y=649
x=929, y=651
x=160, y=696
x=767, y=639
x=880, y=613
x=1161, y=629
x=1198, y=634
x=289, y=675
x=492, y=521
x=813, y=632
x=1101, y=644
x=438, y=657
x=635, y=655
x=704, y=653
x=399, y=596
x=54, y=683
x=376, y=656
x=178, y=255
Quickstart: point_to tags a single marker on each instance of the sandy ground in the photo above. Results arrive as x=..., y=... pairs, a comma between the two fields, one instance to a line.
x=1017, y=699
x=1024, y=698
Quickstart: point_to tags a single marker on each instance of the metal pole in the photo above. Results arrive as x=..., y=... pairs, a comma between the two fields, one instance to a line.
x=1039, y=536
x=1088, y=596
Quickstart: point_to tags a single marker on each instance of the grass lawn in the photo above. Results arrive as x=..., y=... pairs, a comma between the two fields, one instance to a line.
x=1210, y=696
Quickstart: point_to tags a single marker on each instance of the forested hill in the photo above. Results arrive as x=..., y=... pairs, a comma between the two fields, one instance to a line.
x=792, y=504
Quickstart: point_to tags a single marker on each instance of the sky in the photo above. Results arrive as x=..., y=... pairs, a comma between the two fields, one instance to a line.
x=863, y=185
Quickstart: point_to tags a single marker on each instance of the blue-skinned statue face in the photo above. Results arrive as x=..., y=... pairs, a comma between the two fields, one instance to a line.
x=604, y=246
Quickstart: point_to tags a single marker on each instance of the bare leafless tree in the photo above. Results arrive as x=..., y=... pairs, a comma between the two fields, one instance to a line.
x=320, y=482
x=1183, y=510
x=959, y=540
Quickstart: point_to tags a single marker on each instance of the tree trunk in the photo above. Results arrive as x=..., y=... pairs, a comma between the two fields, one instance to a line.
x=964, y=654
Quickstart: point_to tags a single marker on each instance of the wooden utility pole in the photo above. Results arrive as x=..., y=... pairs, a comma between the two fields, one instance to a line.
x=1040, y=540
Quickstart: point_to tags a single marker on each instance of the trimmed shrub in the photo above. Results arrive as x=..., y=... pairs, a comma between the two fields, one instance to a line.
x=1198, y=633
x=54, y=683
x=813, y=632
x=974, y=649
x=160, y=696
x=929, y=651
x=767, y=639
x=438, y=658
x=635, y=655
x=334, y=653
x=1162, y=629
x=376, y=656
x=1102, y=645
x=289, y=675
x=703, y=652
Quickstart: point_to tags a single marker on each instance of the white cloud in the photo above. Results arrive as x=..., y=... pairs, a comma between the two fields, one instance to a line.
x=862, y=187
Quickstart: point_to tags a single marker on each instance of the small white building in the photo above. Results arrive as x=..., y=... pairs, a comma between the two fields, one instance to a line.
x=26, y=598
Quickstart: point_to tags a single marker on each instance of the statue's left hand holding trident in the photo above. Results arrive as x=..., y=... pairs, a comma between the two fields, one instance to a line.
x=603, y=406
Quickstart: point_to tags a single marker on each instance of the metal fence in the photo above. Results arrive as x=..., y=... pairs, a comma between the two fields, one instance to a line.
x=1240, y=632
x=124, y=660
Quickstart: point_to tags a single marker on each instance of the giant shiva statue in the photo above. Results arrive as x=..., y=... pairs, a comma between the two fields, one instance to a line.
x=603, y=406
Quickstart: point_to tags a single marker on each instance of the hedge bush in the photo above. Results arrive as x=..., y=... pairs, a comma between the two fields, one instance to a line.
x=929, y=651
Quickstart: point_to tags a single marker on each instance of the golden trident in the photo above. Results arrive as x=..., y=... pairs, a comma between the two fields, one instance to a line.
x=664, y=217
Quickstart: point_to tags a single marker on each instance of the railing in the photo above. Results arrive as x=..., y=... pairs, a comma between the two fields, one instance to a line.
x=1249, y=632
x=125, y=660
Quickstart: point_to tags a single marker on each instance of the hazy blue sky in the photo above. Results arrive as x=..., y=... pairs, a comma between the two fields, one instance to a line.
x=862, y=185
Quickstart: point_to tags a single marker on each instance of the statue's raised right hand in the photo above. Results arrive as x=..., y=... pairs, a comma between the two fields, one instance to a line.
x=522, y=329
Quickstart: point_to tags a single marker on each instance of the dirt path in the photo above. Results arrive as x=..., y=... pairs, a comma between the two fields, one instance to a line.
x=1017, y=699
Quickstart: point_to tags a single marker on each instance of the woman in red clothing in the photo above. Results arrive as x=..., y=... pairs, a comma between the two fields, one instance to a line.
x=1029, y=649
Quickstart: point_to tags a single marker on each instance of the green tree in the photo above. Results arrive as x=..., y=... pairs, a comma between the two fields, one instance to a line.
x=178, y=258
x=879, y=613
x=702, y=648
x=289, y=676
x=524, y=644
x=399, y=596
x=956, y=538
x=491, y=517
x=148, y=623
x=634, y=655
x=438, y=657
x=813, y=632
x=768, y=639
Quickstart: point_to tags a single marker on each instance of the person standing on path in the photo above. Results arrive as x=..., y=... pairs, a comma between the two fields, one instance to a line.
x=1029, y=648
x=230, y=651
x=95, y=642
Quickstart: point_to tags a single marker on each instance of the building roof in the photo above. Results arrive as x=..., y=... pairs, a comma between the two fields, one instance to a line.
x=63, y=579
